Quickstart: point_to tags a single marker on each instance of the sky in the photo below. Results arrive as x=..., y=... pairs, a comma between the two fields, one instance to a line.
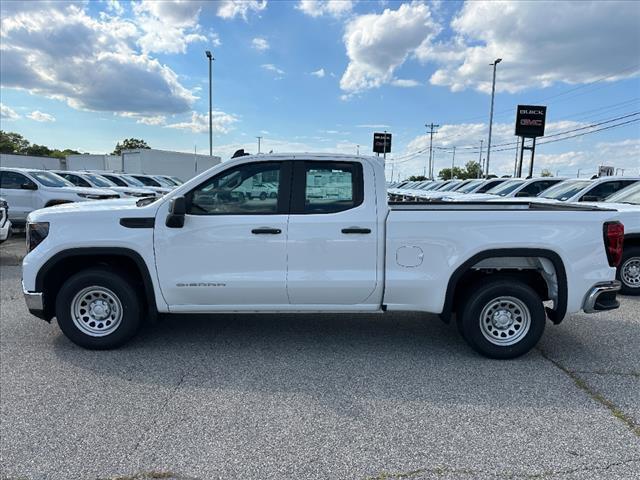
x=322, y=76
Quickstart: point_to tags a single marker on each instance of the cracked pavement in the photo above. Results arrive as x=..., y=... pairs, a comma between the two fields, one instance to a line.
x=394, y=396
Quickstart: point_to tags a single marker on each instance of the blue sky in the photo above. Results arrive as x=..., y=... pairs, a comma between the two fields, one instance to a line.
x=322, y=76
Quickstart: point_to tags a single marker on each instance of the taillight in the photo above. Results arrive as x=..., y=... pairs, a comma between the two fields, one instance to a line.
x=613, y=242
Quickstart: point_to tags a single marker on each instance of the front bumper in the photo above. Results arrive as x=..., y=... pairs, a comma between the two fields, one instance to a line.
x=35, y=302
x=602, y=297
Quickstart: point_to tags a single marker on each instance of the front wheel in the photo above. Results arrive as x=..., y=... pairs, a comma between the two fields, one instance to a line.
x=98, y=309
x=502, y=318
x=629, y=271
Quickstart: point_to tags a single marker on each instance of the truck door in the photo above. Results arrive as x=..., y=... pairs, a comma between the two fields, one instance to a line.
x=332, y=247
x=231, y=252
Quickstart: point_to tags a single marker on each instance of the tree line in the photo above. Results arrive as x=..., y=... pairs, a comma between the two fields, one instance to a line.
x=11, y=142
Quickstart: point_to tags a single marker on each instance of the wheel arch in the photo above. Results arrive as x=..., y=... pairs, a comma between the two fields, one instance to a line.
x=456, y=284
x=632, y=240
x=68, y=262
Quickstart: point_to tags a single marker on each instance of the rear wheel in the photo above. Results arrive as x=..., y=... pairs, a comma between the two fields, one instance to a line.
x=502, y=319
x=629, y=271
x=98, y=309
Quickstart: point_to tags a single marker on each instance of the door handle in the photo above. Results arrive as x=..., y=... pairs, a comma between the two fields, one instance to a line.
x=266, y=231
x=356, y=230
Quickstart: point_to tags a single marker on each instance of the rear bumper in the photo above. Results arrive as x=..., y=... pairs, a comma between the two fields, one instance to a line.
x=601, y=297
x=35, y=303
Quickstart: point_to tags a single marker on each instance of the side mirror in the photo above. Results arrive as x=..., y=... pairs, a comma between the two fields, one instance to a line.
x=28, y=186
x=177, y=212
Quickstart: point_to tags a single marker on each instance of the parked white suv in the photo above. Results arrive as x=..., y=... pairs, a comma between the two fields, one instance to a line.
x=125, y=180
x=27, y=190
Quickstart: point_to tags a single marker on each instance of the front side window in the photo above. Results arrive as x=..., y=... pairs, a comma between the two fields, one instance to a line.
x=100, y=181
x=489, y=184
x=565, y=190
x=147, y=181
x=630, y=194
x=505, y=187
x=14, y=180
x=250, y=189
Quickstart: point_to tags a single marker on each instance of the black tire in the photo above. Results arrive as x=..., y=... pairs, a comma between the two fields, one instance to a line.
x=112, y=281
x=514, y=292
x=263, y=196
x=629, y=287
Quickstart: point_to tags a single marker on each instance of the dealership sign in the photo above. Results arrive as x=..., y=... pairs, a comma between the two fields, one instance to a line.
x=530, y=120
x=381, y=142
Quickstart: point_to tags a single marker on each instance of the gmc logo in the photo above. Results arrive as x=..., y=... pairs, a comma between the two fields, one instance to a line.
x=526, y=122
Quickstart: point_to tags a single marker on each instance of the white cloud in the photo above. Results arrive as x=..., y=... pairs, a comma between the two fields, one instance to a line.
x=115, y=7
x=229, y=9
x=221, y=122
x=273, y=69
x=374, y=125
x=39, y=116
x=319, y=73
x=405, y=83
x=318, y=8
x=92, y=64
x=378, y=44
x=574, y=42
x=153, y=120
x=168, y=26
x=8, y=113
x=260, y=44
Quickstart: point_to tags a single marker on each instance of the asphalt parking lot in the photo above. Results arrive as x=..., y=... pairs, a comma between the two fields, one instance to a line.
x=394, y=396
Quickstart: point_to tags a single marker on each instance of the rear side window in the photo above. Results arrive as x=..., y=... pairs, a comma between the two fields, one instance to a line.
x=327, y=187
x=535, y=188
x=75, y=179
x=14, y=180
x=116, y=180
x=489, y=186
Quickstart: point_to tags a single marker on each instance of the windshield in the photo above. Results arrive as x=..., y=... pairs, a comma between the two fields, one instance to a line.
x=132, y=181
x=49, y=179
x=460, y=186
x=449, y=187
x=631, y=194
x=148, y=181
x=469, y=186
x=99, y=180
x=164, y=182
x=505, y=187
x=565, y=190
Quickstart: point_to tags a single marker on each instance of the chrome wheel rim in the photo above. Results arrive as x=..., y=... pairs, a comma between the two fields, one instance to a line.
x=505, y=321
x=630, y=272
x=96, y=311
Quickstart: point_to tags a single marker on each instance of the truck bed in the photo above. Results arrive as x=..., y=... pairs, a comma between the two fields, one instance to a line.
x=494, y=206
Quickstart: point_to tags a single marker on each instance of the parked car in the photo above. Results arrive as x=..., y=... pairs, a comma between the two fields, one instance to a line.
x=5, y=223
x=175, y=181
x=152, y=181
x=95, y=180
x=27, y=190
x=196, y=250
x=582, y=190
x=512, y=188
x=627, y=202
x=125, y=180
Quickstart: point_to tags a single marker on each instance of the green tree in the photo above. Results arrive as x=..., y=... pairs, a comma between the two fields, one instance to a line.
x=40, y=150
x=546, y=173
x=470, y=170
x=129, y=144
x=417, y=178
x=11, y=142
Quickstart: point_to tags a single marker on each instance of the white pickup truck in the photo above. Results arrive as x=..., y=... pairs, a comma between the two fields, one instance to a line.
x=101, y=268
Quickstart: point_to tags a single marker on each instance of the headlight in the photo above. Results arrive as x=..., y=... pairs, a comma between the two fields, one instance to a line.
x=36, y=233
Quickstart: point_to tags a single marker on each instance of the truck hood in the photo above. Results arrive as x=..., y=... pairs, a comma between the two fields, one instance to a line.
x=85, y=190
x=100, y=208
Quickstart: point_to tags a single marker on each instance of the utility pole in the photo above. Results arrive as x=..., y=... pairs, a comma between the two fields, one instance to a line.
x=431, y=128
x=453, y=161
x=259, y=138
x=358, y=151
x=384, y=149
x=480, y=160
x=515, y=168
x=210, y=57
x=493, y=92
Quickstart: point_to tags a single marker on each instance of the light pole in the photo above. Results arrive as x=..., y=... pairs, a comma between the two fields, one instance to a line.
x=210, y=57
x=453, y=161
x=259, y=139
x=493, y=92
